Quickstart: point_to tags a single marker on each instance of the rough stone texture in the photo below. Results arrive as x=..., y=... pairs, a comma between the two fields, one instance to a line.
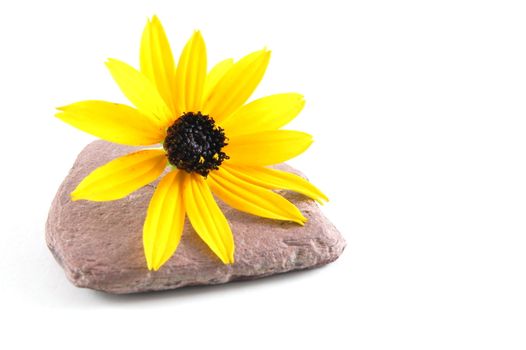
x=99, y=244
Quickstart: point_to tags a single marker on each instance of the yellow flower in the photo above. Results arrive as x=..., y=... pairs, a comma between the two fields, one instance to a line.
x=212, y=143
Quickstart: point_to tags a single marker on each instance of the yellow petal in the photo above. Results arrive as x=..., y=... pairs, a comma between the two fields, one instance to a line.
x=191, y=75
x=207, y=219
x=252, y=199
x=139, y=90
x=157, y=62
x=267, y=147
x=113, y=122
x=215, y=75
x=267, y=113
x=164, y=222
x=276, y=179
x=121, y=176
x=236, y=86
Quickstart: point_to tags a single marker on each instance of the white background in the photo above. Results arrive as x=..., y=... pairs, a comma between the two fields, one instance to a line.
x=418, y=109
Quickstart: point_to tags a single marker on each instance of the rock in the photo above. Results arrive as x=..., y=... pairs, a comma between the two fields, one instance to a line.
x=99, y=244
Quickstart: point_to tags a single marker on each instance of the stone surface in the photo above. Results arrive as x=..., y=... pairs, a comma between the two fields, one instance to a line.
x=99, y=244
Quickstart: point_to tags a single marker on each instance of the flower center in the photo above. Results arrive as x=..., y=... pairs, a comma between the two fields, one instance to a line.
x=194, y=142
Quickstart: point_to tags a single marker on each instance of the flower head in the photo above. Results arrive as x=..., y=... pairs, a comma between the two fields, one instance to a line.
x=212, y=142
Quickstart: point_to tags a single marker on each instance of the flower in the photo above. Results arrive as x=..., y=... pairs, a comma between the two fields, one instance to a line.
x=212, y=142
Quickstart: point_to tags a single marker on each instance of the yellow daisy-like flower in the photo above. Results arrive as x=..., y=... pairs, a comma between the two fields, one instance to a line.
x=211, y=140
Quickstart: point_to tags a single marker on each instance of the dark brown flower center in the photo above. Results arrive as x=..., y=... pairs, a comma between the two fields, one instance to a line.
x=194, y=143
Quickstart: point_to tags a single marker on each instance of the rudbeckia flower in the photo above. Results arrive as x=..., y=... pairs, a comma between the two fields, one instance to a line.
x=212, y=143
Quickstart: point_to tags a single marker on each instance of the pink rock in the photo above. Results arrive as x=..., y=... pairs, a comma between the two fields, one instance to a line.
x=99, y=244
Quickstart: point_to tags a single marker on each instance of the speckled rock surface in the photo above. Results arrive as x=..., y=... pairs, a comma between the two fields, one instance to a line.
x=99, y=244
